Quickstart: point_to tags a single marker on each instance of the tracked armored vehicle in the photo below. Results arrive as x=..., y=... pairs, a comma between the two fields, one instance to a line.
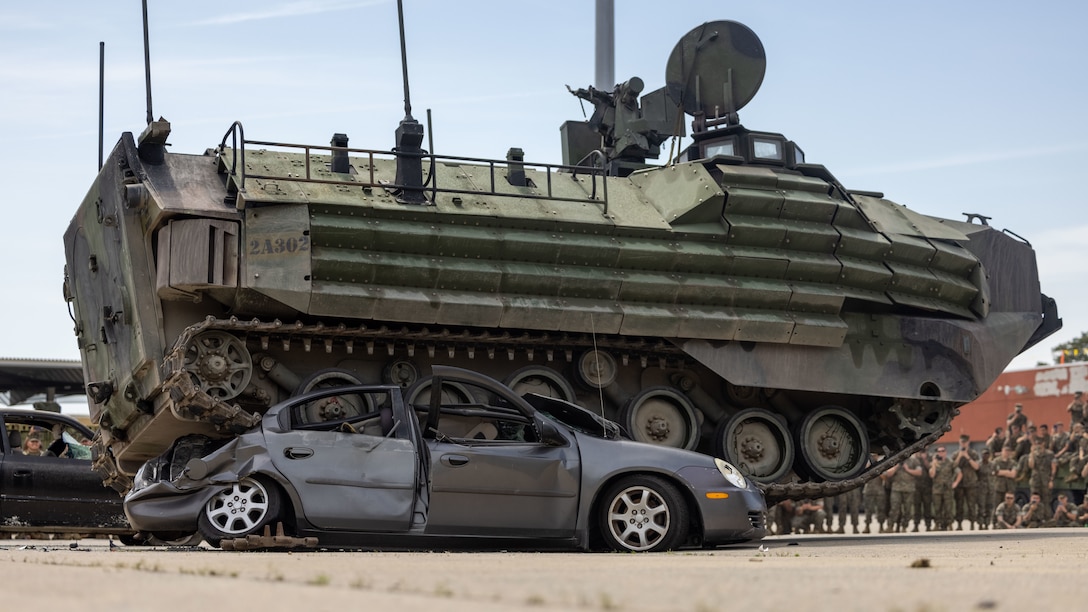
x=735, y=299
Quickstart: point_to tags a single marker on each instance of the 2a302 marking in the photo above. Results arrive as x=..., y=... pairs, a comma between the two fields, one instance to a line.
x=279, y=245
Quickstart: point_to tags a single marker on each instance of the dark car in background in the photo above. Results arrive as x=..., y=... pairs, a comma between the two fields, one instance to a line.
x=457, y=460
x=46, y=482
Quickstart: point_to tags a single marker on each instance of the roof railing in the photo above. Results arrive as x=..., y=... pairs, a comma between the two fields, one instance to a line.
x=237, y=169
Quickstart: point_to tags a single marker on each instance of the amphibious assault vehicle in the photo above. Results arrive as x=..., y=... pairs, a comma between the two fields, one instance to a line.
x=735, y=299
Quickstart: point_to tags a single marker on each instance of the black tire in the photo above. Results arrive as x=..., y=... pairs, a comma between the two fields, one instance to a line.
x=238, y=510
x=175, y=539
x=643, y=514
x=134, y=539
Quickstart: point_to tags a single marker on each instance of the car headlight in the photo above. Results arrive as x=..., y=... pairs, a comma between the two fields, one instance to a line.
x=147, y=475
x=731, y=473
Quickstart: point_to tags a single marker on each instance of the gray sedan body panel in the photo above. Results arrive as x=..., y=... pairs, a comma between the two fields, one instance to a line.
x=364, y=482
x=503, y=489
x=528, y=479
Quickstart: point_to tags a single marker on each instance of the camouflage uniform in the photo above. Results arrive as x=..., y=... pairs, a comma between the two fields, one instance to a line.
x=1039, y=469
x=783, y=517
x=874, y=497
x=923, y=494
x=1006, y=515
x=1077, y=411
x=986, y=499
x=1077, y=451
x=944, y=474
x=829, y=513
x=1065, y=515
x=901, y=499
x=1004, y=484
x=994, y=444
x=809, y=516
x=1023, y=446
x=1035, y=514
x=849, y=506
x=1059, y=440
x=1082, y=513
x=1017, y=418
x=967, y=492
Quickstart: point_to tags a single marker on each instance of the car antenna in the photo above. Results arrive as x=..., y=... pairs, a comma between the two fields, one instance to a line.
x=597, y=364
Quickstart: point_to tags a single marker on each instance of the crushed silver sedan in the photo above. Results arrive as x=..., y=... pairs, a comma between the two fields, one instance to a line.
x=473, y=465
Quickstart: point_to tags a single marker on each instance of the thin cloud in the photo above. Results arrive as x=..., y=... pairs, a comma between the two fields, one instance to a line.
x=967, y=159
x=290, y=9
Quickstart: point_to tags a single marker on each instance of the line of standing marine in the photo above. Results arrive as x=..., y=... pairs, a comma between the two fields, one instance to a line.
x=736, y=299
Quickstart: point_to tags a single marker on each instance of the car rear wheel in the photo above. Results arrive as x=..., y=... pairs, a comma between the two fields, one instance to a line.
x=643, y=514
x=238, y=510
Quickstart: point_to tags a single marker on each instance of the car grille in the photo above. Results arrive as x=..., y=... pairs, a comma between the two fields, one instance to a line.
x=756, y=519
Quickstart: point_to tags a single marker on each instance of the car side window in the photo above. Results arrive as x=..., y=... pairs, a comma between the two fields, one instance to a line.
x=475, y=416
x=358, y=412
x=44, y=438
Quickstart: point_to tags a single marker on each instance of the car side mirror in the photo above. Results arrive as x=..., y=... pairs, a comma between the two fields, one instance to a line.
x=549, y=433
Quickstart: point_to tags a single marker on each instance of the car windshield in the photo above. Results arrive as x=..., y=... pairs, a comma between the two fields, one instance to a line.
x=575, y=417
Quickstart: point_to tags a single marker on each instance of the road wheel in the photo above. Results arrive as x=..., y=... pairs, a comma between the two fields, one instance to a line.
x=643, y=514
x=833, y=444
x=662, y=416
x=758, y=443
x=238, y=510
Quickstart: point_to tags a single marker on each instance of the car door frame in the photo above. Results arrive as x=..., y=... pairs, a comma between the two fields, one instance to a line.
x=386, y=504
x=501, y=488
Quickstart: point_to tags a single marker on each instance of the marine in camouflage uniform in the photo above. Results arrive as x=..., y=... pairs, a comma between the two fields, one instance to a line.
x=1036, y=513
x=1065, y=513
x=967, y=493
x=1004, y=469
x=809, y=516
x=1039, y=466
x=1077, y=409
x=874, y=498
x=923, y=494
x=1076, y=451
x=986, y=499
x=1007, y=513
x=1059, y=438
x=783, y=517
x=1082, y=512
x=1017, y=418
x=946, y=478
x=996, y=441
x=901, y=497
x=849, y=505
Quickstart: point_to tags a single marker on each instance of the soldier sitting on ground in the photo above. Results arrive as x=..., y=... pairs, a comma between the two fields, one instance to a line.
x=809, y=516
x=1065, y=513
x=1035, y=513
x=1007, y=514
x=1082, y=513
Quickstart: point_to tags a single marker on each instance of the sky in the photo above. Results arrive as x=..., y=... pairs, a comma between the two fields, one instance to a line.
x=945, y=107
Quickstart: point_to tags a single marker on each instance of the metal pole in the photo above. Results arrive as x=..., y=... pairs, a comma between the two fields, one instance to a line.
x=605, y=76
x=403, y=62
x=101, y=95
x=147, y=68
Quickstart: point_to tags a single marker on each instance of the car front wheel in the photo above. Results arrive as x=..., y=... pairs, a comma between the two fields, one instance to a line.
x=238, y=510
x=643, y=514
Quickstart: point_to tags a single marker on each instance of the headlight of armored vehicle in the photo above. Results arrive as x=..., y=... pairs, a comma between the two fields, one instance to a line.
x=731, y=473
